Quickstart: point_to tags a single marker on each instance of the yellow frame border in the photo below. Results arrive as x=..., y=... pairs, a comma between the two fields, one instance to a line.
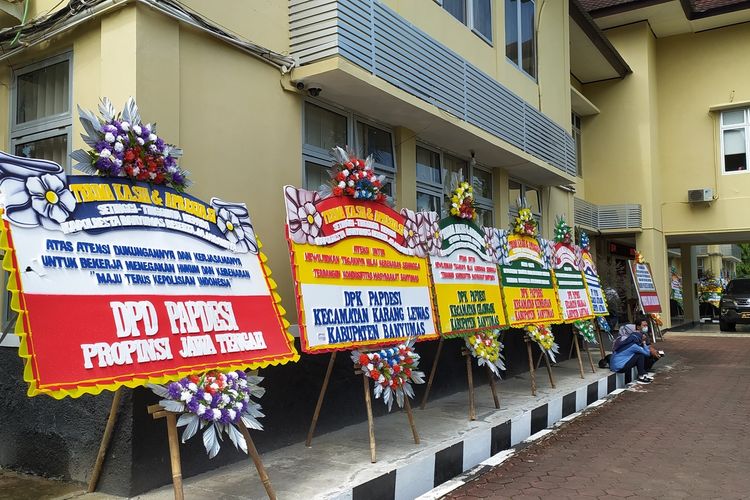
x=23, y=330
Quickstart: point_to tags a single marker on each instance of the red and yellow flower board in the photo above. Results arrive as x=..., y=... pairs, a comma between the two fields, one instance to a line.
x=572, y=293
x=360, y=273
x=643, y=279
x=122, y=283
x=527, y=283
x=466, y=280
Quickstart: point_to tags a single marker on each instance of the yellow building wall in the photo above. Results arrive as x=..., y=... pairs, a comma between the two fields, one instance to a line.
x=695, y=72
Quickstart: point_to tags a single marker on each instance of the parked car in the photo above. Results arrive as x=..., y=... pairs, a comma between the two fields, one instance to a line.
x=735, y=304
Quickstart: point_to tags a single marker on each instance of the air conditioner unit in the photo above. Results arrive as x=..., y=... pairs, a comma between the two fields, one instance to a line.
x=705, y=195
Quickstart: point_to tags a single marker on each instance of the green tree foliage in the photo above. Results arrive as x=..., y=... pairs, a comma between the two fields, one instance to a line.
x=743, y=268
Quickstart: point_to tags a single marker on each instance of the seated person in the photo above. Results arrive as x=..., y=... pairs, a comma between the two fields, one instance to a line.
x=631, y=349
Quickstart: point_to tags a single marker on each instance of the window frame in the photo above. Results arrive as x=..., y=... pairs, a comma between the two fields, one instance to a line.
x=432, y=188
x=469, y=16
x=745, y=126
x=513, y=209
x=442, y=192
x=314, y=154
x=519, y=48
x=575, y=129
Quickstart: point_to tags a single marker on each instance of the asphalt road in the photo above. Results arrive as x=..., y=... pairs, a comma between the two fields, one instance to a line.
x=683, y=436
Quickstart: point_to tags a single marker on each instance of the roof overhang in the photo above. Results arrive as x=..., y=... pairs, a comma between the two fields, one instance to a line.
x=352, y=87
x=592, y=56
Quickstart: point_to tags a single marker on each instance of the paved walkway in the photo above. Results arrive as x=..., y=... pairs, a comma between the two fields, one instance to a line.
x=683, y=436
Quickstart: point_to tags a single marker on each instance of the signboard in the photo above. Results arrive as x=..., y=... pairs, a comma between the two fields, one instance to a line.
x=119, y=282
x=360, y=272
x=645, y=287
x=596, y=294
x=575, y=303
x=527, y=284
x=466, y=280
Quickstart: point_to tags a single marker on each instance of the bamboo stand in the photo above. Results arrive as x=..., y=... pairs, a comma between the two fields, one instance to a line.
x=432, y=374
x=532, y=371
x=106, y=438
x=319, y=404
x=578, y=354
x=599, y=335
x=157, y=412
x=591, y=360
x=549, y=370
x=470, y=377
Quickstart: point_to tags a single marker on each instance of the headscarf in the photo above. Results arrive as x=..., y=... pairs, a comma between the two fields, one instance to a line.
x=624, y=338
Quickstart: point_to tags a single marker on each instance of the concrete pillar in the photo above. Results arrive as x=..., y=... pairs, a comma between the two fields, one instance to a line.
x=500, y=198
x=653, y=246
x=714, y=261
x=406, y=175
x=689, y=262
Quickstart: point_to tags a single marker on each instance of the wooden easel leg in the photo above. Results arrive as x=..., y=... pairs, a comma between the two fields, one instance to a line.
x=570, y=352
x=539, y=360
x=599, y=335
x=578, y=355
x=106, y=438
x=174, y=456
x=409, y=414
x=549, y=370
x=319, y=404
x=370, y=423
x=531, y=368
x=432, y=374
x=255, y=456
x=470, y=377
x=591, y=360
x=495, y=398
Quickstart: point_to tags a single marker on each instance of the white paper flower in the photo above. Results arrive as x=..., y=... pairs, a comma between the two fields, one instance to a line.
x=413, y=236
x=119, y=147
x=109, y=137
x=140, y=141
x=430, y=229
x=302, y=221
x=229, y=224
x=310, y=221
x=125, y=126
x=137, y=130
x=50, y=198
x=105, y=153
x=152, y=137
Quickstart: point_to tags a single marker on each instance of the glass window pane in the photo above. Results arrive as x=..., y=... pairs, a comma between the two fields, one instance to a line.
x=428, y=166
x=376, y=142
x=456, y=8
x=482, y=14
x=323, y=128
x=482, y=183
x=484, y=217
x=533, y=200
x=316, y=175
x=43, y=93
x=455, y=170
x=388, y=187
x=427, y=203
x=734, y=117
x=528, y=57
x=735, y=157
x=514, y=193
x=511, y=30
x=51, y=148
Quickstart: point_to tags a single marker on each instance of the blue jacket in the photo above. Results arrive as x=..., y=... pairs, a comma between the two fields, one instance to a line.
x=623, y=355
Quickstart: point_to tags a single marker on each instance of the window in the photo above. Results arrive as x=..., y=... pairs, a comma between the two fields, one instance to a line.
x=532, y=195
x=41, y=119
x=520, y=43
x=734, y=140
x=476, y=14
x=437, y=176
x=576, y=128
x=326, y=127
x=429, y=180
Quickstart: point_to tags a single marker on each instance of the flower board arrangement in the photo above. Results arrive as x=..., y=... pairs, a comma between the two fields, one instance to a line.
x=393, y=370
x=351, y=176
x=544, y=337
x=215, y=402
x=586, y=329
x=123, y=146
x=487, y=348
x=525, y=224
x=462, y=202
